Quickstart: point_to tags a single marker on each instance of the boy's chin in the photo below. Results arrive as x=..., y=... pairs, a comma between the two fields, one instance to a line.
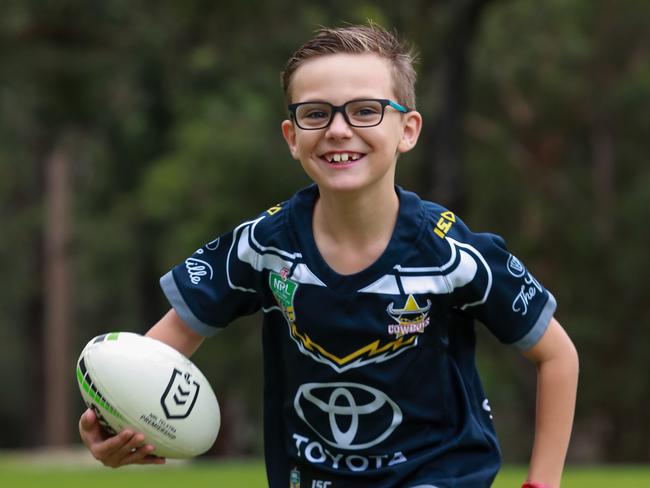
x=351, y=185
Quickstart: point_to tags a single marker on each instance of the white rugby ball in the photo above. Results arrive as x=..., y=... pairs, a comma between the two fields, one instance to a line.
x=136, y=382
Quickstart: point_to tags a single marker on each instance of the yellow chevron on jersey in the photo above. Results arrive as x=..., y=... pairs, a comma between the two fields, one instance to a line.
x=373, y=352
x=284, y=291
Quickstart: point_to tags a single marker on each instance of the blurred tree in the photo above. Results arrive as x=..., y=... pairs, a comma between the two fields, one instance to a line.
x=555, y=165
x=57, y=298
x=442, y=142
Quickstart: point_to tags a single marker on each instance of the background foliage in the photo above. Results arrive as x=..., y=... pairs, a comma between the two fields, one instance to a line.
x=169, y=114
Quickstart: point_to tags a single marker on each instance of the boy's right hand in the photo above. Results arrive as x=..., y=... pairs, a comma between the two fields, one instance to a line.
x=127, y=447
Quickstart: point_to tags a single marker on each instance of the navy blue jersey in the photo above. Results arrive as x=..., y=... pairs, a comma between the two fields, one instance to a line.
x=370, y=378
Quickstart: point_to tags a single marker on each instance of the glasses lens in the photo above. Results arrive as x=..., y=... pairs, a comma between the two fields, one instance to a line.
x=364, y=113
x=313, y=115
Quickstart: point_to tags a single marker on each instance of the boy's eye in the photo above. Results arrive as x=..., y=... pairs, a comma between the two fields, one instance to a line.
x=315, y=114
x=365, y=110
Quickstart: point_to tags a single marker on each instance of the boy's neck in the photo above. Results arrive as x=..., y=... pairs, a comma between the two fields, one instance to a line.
x=359, y=225
x=357, y=216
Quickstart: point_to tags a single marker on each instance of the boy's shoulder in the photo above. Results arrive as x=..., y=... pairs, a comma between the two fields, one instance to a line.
x=274, y=225
x=443, y=226
x=427, y=224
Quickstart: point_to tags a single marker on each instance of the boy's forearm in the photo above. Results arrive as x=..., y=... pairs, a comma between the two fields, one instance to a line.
x=172, y=331
x=557, y=381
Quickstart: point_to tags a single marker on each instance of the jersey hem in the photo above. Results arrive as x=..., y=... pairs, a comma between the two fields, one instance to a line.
x=176, y=300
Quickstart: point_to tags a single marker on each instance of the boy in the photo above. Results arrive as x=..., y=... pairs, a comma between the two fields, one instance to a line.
x=369, y=296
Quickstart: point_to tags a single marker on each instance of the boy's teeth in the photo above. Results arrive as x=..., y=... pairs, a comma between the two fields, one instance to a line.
x=342, y=157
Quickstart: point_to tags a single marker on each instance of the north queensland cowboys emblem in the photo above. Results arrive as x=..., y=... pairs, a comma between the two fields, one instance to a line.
x=180, y=395
x=412, y=318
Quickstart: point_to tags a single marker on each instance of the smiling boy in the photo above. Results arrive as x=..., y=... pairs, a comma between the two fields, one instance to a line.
x=369, y=295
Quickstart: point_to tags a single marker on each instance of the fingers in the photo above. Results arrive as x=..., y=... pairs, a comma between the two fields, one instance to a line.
x=115, y=451
x=89, y=429
x=127, y=447
x=142, y=455
x=135, y=452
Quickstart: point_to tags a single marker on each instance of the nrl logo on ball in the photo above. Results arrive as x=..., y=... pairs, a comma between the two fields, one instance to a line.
x=180, y=395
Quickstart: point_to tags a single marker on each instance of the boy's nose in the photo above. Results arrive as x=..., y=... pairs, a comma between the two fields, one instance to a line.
x=339, y=127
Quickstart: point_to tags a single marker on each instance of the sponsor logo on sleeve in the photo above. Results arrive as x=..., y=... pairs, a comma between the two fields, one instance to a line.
x=529, y=289
x=213, y=245
x=515, y=268
x=197, y=269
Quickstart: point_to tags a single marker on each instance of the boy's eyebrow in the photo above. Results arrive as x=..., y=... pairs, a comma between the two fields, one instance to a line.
x=360, y=97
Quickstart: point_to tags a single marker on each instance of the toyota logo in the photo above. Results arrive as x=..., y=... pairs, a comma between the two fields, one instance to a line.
x=347, y=415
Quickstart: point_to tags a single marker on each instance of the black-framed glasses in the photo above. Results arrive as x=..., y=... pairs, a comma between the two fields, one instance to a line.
x=357, y=113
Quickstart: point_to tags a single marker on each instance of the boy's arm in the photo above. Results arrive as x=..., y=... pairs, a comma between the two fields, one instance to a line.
x=172, y=331
x=127, y=447
x=557, y=379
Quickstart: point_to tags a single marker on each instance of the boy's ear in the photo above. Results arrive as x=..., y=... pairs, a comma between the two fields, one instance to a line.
x=411, y=131
x=289, y=134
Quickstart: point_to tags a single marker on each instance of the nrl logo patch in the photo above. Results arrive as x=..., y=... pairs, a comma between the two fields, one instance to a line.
x=284, y=290
x=409, y=320
x=180, y=395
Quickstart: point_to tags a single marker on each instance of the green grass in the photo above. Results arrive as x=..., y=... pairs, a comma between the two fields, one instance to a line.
x=250, y=474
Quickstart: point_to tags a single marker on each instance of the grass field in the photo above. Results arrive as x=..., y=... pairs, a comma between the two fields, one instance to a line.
x=250, y=474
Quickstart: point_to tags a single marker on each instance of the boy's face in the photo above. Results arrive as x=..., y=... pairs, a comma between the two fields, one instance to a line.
x=372, y=151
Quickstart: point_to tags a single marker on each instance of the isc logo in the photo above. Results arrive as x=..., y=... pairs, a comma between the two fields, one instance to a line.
x=444, y=224
x=320, y=484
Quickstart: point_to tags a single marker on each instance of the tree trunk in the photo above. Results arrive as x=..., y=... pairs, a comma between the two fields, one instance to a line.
x=58, y=374
x=443, y=138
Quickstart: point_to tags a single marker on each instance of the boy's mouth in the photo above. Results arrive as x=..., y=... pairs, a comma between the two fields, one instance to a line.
x=341, y=157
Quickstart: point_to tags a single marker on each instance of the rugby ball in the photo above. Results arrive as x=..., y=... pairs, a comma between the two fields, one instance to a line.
x=136, y=382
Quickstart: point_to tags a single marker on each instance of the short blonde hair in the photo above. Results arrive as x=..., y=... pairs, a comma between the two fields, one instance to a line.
x=359, y=39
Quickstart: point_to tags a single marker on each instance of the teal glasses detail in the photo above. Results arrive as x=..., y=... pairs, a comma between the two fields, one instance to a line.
x=357, y=113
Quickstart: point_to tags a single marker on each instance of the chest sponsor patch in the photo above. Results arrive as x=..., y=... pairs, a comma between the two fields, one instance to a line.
x=350, y=422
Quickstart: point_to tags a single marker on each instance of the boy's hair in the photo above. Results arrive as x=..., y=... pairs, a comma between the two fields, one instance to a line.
x=359, y=39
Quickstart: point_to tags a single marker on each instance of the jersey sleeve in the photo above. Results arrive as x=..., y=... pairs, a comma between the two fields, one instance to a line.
x=212, y=287
x=500, y=291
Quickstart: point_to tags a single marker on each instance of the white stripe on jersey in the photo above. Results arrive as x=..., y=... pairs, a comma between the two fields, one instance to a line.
x=438, y=280
x=267, y=259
